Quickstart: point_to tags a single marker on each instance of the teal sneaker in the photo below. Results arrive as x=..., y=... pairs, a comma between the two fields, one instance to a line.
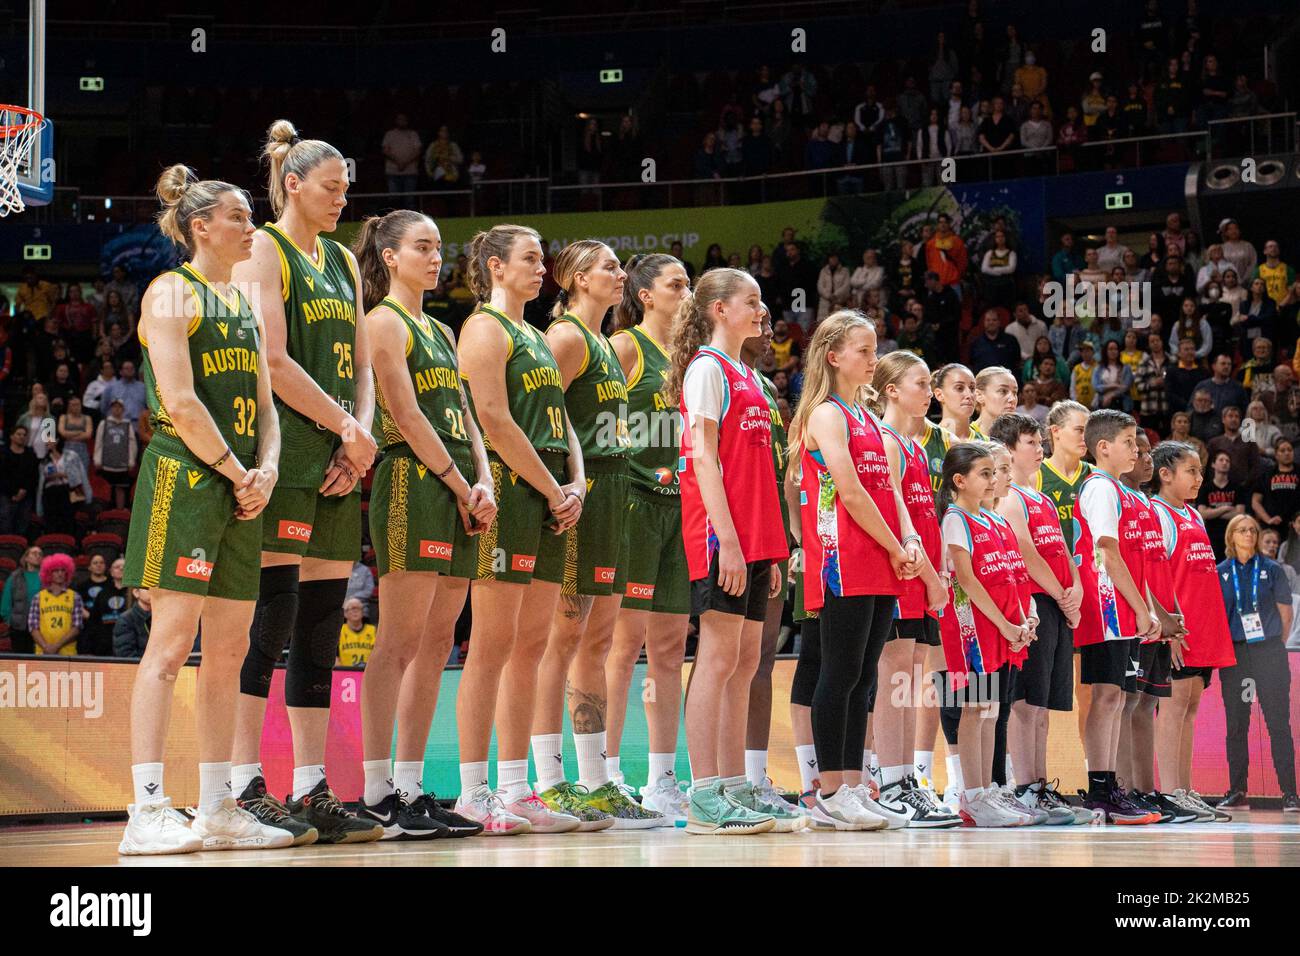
x=712, y=810
x=788, y=820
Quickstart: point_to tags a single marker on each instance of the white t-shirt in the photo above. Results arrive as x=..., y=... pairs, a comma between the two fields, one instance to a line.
x=704, y=390
x=1167, y=529
x=955, y=530
x=1100, y=507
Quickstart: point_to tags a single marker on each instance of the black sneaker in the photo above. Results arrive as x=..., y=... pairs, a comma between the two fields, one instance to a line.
x=1168, y=808
x=457, y=826
x=257, y=801
x=1114, y=808
x=400, y=820
x=1122, y=797
x=1147, y=801
x=1234, y=800
x=926, y=813
x=322, y=809
x=1290, y=803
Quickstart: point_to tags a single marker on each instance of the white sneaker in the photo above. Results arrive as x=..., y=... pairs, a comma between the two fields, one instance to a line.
x=986, y=809
x=230, y=828
x=952, y=798
x=890, y=805
x=484, y=806
x=1033, y=816
x=843, y=811
x=158, y=828
x=769, y=794
x=873, y=807
x=927, y=785
x=665, y=797
x=1033, y=797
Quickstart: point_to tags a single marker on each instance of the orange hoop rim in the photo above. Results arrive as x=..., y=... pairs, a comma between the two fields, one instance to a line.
x=34, y=119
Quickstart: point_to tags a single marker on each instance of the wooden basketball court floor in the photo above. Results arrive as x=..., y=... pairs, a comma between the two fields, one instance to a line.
x=1253, y=839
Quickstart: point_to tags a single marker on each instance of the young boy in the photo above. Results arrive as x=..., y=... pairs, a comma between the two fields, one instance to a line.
x=1045, y=681
x=1114, y=615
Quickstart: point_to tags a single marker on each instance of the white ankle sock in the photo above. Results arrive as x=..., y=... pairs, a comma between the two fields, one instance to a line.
x=890, y=775
x=214, y=785
x=806, y=755
x=973, y=792
x=954, y=772
x=703, y=783
x=591, y=760
x=406, y=778
x=148, y=780
x=923, y=764
x=242, y=775
x=732, y=784
x=512, y=780
x=306, y=778
x=662, y=765
x=548, y=758
x=613, y=770
x=756, y=767
x=473, y=775
x=379, y=780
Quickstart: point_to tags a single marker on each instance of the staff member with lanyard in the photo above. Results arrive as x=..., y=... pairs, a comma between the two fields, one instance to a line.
x=1258, y=601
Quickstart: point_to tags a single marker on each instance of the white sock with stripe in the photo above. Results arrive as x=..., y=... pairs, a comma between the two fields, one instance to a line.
x=548, y=758
x=806, y=755
x=591, y=760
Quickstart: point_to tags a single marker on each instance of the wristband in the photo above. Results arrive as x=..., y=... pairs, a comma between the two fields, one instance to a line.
x=446, y=471
x=221, y=461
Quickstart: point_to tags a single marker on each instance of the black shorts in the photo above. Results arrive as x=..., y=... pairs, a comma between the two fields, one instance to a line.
x=1204, y=673
x=1110, y=662
x=923, y=630
x=752, y=604
x=116, y=479
x=996, y=687
x=1153, y=669
x=1047, y=677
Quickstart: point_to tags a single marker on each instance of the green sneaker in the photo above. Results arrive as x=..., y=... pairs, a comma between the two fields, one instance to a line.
x=574, y=800
x=714, y=811
x=787, y=820
x=627, y=814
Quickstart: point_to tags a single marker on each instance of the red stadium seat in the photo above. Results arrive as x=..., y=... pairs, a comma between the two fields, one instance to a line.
x=114, y=521
x=12, y=546
x=57, y=544
x=103, y=543
x=7, y=566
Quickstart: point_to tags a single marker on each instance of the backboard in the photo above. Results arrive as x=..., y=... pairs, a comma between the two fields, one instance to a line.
x=36, y=171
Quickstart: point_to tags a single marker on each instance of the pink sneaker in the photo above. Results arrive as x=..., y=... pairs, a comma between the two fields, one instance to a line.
x=540, y=817
x=483, y=806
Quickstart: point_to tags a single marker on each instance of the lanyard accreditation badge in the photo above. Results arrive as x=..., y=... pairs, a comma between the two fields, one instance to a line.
x=1251, y=624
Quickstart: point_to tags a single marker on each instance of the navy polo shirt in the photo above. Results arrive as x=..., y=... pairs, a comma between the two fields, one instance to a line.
x=1273, y=590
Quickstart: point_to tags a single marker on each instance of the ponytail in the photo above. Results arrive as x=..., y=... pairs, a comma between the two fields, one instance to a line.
x=642, y=271
x=184, y=198
x=286, y=153
x=377, y=234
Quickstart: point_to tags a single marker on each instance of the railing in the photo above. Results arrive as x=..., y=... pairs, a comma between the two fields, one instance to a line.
x=1274, y=132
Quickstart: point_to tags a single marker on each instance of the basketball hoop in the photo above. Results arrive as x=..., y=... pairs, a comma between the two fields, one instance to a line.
x=18, y=127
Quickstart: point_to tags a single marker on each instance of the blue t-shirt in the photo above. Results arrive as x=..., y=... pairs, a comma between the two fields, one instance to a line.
x=1273, y=590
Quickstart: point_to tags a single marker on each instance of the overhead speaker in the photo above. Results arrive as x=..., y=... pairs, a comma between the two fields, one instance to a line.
x=1263, y=208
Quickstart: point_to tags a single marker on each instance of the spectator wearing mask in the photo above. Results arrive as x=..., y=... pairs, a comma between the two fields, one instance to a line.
x=18, y=482
x=1258, y=601
x=107, y=603
x=1246, y=460
x=21, y=586
x=356, y=636
x=56, y=615
x=115, y=451
x=131, y=631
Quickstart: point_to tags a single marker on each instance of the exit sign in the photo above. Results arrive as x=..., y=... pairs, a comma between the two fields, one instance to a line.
x=1119, y=201
x=92, y=84
x=611, y=76
x=35, y=252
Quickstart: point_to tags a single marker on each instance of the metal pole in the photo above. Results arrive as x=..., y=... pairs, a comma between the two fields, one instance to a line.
x=36, y=57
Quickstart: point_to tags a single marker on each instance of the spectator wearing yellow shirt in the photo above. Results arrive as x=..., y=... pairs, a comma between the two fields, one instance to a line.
x=356, y=637
x=1093, y=102
x=784, y=348
x=1277, y=275
x=1081, y=387
x=57, y=613
x=35, y=296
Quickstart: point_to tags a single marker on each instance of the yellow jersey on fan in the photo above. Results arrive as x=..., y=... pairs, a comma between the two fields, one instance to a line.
x=355, y=646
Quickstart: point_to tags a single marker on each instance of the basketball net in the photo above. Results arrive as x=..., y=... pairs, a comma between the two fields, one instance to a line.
x=18, y=127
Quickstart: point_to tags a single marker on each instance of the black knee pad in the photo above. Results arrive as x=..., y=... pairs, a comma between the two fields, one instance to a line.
x=314, y=647
x=273, y=622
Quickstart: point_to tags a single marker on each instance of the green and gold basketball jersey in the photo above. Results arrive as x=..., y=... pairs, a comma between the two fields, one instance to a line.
x=223, y=346
x=431, y=362
x=321, y=322
x=936, y=441
x=534, y=389
x=597, y=397
x=780, y=451
x=1063, y=491
x=654, y=423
